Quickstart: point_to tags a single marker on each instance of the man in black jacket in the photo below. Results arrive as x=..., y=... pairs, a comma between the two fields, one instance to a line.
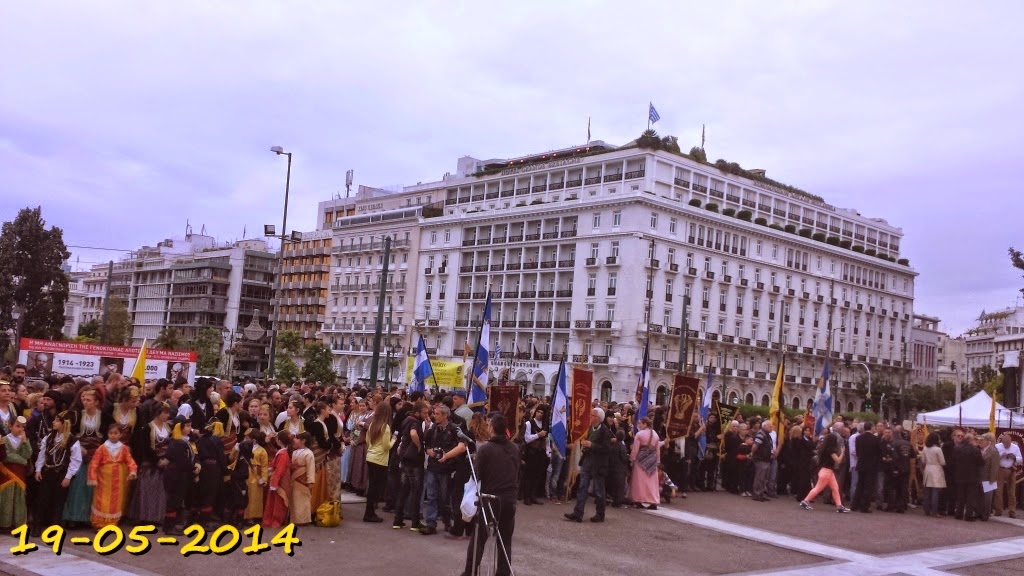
x=497, y=468
x=967, y=477
x=869, y=459
x=593, y=467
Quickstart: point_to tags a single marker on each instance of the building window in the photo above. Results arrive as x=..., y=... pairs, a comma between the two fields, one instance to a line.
x=594, y=251
x=617, y=218
x=610, y=312
x=433, y=237
x=597, y=220
x=672, y=227
x=654, y=220
x=758, y=247
x=615, y=249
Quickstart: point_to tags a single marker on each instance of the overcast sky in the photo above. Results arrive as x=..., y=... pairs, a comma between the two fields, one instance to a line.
x=125, y=119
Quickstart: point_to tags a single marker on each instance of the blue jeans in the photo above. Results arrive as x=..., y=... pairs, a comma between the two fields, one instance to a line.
x=853, y=482
x=588, y=479
x=435, y=489
x=773, y=474
x=554, y=472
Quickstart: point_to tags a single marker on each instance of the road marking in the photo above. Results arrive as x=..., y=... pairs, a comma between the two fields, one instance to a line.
x=919, y=563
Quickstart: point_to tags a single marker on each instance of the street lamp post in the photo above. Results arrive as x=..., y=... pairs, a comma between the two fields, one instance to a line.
x=280, y=255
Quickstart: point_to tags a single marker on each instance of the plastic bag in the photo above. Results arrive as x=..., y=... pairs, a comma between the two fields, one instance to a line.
x=469, y=505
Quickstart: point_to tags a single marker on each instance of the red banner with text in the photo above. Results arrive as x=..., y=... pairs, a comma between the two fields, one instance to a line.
x=582, y=392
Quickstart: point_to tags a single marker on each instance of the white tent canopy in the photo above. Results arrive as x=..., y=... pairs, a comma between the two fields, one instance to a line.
x=972, y=413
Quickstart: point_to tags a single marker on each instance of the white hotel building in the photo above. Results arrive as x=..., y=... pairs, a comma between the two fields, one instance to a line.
x=563, y=240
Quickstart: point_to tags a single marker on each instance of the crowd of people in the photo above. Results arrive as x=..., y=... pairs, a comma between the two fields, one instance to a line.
x=98, y=451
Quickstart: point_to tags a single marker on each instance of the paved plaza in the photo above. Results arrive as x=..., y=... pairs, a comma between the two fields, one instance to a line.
x=704, y=534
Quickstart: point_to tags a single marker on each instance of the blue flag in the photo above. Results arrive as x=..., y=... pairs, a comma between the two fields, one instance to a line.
x=559, y=407
x=643, y=385
x=705, y=410
x=421, y=369
x=652, y=114
x=482, y=359
x=822, y=410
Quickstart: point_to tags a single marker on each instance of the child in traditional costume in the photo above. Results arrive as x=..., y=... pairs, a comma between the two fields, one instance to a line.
x=303, y=475
x=213, y=467
x=110, y=470
x=60, y=458
x=180, y=471
x=16, y=458
x=258, y=475
x=279, y=484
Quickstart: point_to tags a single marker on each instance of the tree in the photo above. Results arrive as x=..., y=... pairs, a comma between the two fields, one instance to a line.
x=649, y=139
x=982, y=375
x=1017, y=259
x=119, y=324
x=697, y=153
x=168, y=339
x=207, y=348
x=671, y=144
x=90, y=329
x=879, y=386
x=319, y=361
x=289, y=344
x=32, y=280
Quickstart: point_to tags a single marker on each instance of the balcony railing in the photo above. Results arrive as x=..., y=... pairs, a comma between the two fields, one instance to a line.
x=583, y=323
x=635, y=174
x=579, y=358
x=599, y=360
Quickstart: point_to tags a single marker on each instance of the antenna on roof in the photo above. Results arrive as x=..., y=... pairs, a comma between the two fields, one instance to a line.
x=348, y=182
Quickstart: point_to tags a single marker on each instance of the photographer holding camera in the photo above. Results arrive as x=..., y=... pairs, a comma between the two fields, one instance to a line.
x=497, y=469
x=443, y=447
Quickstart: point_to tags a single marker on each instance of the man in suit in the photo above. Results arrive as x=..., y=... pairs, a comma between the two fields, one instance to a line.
x=593, y=467
x=869, y=460
x=967, y=478
x=989, y=471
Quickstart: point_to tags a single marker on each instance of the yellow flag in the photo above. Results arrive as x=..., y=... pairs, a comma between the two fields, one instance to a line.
x=992, y=415
x=924, y=430
x=139, y=372
x=775, y=413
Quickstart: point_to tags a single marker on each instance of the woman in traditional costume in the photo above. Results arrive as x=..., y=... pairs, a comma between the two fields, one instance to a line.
x=88, y=424
x=293, y=423
x=325, y=452
x=110, y=470
x=358, y=476
x=149, y=501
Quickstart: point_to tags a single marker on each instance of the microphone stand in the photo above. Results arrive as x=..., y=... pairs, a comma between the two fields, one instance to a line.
x=484, y=502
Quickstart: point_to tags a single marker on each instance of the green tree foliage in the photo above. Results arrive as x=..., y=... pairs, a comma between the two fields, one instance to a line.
x=168, y=339
x=90, y=329
x=982, y=376
x=318, y=364
x=32, y=280
x=119, y=324
x=1017, y=259
x=289, y=345
x=207, y=347
x=697, y=153
x=649, y=140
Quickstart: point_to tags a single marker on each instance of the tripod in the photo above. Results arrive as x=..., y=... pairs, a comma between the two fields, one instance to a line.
x=489, y=521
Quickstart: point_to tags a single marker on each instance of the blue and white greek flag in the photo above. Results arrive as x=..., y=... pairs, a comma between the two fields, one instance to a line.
x=652, y=114
x=481, y=360
x=421, y=369
x=559, y=409
x=705, y=410
x=822, y=410
x=497, y=350
x=643, y=385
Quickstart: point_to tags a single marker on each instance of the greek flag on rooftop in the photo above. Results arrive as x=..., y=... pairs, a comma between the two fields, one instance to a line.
x=652, y=114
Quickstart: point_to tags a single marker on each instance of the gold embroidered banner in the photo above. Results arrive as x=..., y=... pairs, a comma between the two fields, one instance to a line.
x=684, y=400
x=505, y=399
x=582, y=392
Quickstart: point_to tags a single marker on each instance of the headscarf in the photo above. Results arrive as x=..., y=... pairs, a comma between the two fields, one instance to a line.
x=179, y=424
x=215, y=428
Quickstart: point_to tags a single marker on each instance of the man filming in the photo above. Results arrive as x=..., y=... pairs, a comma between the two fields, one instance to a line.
x=497, y=469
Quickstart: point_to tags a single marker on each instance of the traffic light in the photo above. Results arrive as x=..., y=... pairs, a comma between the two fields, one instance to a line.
x=847, y=363
x=952, y=365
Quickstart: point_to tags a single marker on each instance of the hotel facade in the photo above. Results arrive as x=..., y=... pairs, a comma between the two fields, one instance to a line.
x=589, y=252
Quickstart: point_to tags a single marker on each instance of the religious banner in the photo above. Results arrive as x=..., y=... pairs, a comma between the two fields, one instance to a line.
x=726, y=412
x=684, y=400
x=505, y=399
x=582, y=392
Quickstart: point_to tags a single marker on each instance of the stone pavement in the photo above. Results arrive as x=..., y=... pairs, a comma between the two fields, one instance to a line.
x=705, y=534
